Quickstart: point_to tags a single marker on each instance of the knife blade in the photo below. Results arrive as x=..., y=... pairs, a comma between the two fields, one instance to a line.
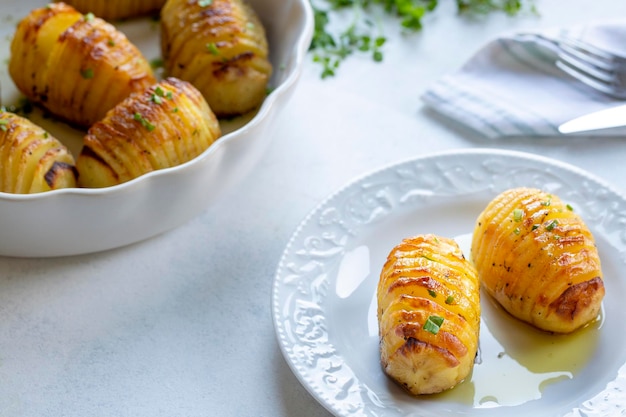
x=601, y=119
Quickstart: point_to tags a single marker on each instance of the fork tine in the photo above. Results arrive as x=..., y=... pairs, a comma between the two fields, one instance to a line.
x=591, y=81
x=603, y=72
x=588, y=54
x=588, y=48
x=596, y=67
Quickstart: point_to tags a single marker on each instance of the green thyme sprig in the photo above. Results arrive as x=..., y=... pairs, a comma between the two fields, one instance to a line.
x=330, y=47
x=510, y=7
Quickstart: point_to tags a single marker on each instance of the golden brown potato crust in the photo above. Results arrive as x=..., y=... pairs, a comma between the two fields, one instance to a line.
x=221, y=48
x=538, y=259
x=426, y=278
x=117, y=9
x=166, y=125
x=31, y=160
x=77, y=67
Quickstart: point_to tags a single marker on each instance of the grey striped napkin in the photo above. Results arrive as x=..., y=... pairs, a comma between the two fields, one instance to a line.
x=511, y=87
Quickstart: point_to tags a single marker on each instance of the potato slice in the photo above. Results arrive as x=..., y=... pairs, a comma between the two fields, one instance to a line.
x=117, y=9
x=428, y=314
x=31, y=160
x=221, y=48
x=538, y=259
x=76, y=66
x=166, y=125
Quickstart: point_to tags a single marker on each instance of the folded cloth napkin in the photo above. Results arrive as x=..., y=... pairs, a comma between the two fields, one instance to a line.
x=512, y=87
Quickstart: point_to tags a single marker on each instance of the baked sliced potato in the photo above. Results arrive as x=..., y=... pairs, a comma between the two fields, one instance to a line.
x=117, y=9
x=428, y=314
x=31, y=160
x=538, y=259
x=221, y=48
x=76, y=66
x=166, y=125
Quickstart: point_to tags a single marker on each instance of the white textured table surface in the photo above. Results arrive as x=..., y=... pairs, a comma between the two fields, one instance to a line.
x=180, y=325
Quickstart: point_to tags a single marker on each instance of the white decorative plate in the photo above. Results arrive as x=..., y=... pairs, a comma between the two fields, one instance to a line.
x=324, y=306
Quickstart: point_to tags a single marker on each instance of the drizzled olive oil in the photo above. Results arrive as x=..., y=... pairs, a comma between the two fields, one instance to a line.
x=515, y=361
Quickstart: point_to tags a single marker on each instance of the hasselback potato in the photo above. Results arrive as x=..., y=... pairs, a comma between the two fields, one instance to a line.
x=117, y=9
x=220, y=47
x=428, y=314
x=76, y=66
x=538, y=259
x=166, y=125
x=32, y=160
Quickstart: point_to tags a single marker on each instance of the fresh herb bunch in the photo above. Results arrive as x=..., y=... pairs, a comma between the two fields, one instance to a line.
x=331, y=47
x=511, y=7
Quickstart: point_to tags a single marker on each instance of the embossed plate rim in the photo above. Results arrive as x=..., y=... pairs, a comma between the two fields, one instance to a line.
x=373, y=402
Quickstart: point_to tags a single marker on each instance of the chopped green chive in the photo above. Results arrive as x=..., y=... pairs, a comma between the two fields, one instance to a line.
x=156, y=63
x=535, y=227
x=87, y=73
x=89, y=17
x=212, y=48
x=433, y=324
x=111, y=42
x=449, y=299
x=552, y=225
x=145, y=123
x=204, y=3
x=157, y=96
x=517, y=231
x=570, y=208
x=46, y=135
x=432, y=293
x=518, y=214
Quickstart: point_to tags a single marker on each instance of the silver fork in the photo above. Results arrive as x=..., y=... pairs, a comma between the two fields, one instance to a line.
x=596, y=67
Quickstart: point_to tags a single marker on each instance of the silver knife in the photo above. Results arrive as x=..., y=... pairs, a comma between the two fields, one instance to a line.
x=602, y=119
